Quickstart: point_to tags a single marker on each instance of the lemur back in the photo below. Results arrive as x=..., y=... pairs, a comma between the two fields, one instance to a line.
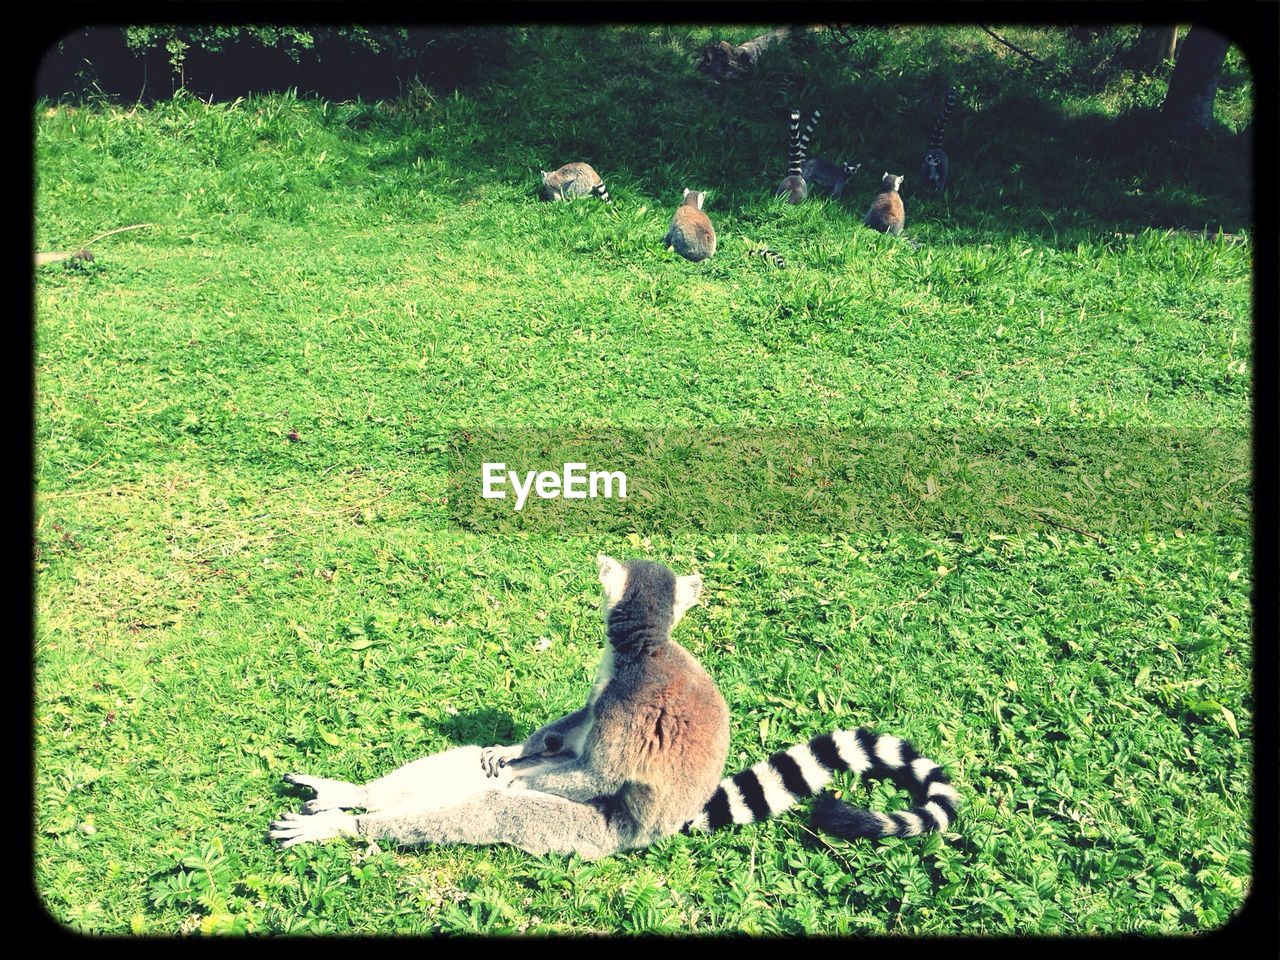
x=573, y=180
x=937, y=166
x=887, y=213
x=660, y=723
x=691, y=233
x=793, y=185
x=834, y=176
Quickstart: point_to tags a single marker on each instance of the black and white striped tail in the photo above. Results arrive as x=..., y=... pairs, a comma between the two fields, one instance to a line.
x=602, y=192
x=807, y=135
x=770, y=255
x=776, y=784
x=943, y=117
x=797, y=154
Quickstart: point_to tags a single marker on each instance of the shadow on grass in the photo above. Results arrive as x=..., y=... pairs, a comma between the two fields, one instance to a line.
x=1023, y=161
x=483, y=728
x=1031, y=155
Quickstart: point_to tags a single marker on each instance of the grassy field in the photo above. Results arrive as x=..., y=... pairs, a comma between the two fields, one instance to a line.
x=245, y=564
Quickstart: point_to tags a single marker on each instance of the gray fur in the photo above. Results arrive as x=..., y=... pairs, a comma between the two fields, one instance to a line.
x=691, y=233
x=572, y=180
x=635, y=764
x=833, y=176
x=794, y=186
x=936, y=166
x=887, y=213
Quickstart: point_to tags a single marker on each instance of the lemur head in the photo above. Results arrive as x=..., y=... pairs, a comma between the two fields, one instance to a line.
x=891, y=182
x=546, y=191
x=646, y=589
x=692, y=199
x=851, y=169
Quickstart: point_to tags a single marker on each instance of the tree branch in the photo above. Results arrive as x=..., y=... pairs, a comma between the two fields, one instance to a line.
x=1018, y=50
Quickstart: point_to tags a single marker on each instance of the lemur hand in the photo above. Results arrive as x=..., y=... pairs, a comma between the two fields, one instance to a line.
x=495, y=759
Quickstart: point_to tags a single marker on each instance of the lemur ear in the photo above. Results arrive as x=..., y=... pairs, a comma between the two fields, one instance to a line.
x=688, y=590
x=686, y=192
x=613, y=578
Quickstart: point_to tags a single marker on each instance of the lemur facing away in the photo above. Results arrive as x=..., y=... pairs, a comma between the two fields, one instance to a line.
x=635, y=764
x=573, y=180
x=887, y=213
x=691, y=233
x=833, y=176
x=793, y=185
x=936, y=166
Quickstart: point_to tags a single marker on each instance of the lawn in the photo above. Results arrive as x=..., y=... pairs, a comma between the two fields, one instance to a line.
x=248, y=418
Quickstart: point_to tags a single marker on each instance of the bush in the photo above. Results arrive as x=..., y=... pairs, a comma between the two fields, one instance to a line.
x=224, y=62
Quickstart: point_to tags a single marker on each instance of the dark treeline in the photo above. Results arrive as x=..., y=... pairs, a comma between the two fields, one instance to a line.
x=150, y=64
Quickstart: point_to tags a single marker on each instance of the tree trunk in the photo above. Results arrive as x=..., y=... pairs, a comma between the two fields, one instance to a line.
x=723, y=61
x=1155, y=46
x=1188, y=106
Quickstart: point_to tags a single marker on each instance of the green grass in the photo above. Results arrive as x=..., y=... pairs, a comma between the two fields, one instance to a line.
x=245, y=564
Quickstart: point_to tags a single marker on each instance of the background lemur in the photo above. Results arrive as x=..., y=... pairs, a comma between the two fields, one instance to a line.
x=633, y=765
x=824, y=173
x=887, y=213
x=936, y=166
x=691, y=232
x=573, y=180
x=793, y=185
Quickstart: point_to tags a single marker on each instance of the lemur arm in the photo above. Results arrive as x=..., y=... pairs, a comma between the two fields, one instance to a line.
x=565, y=735
x=558, y=742
x=606, y=762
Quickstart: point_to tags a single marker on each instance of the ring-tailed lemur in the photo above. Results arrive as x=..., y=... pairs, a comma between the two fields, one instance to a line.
x=887, y=213
x=937, y=166
x=630, y=767
x=691, y=233
x=793, y=185
x=834, y=176
x=573, y=180
x=634, y=765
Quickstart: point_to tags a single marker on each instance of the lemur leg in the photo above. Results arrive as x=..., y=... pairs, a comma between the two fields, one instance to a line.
x=431, y=782
x=294, y=828
x=438, y=781
x=330, y=794
x=535, y=822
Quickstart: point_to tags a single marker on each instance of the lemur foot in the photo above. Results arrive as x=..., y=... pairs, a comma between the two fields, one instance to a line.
x=330, y=794
x=295, y=828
